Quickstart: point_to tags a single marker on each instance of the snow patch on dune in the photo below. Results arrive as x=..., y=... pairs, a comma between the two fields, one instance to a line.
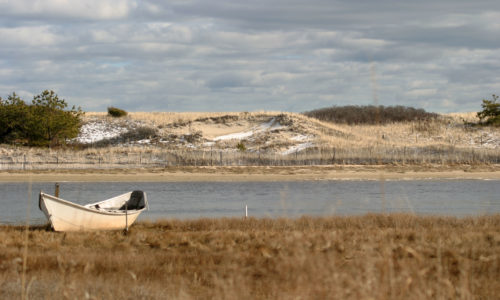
x=95, y=131
x=297, y=148
x=268, y=133
x=235, y=136
x=270, y=126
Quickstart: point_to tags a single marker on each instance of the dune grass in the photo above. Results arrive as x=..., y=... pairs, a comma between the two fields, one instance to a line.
x=446, y=140
x=364, y=257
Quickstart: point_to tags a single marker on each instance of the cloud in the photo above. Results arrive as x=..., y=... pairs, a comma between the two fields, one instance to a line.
x=50, y=10
x=34, y=36
x=237, y=55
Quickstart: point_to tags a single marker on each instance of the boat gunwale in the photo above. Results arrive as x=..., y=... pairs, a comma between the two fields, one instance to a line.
x=92, y=210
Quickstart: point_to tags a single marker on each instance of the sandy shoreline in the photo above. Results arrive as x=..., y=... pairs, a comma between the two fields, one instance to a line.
x=261, y=173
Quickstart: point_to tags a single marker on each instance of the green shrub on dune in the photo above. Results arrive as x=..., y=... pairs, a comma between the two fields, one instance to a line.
x=44, y=122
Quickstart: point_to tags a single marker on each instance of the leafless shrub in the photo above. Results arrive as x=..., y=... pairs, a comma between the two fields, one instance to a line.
x=180, y=123
x=133, y=134
x=284, y=120
x=139, y=133
x=219, y=120
x=193, y=137
x=354, y=114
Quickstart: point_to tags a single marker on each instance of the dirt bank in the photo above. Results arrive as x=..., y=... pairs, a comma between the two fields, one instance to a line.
x=264, y=173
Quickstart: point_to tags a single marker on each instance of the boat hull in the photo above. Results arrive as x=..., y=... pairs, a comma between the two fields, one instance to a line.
x=67, y=216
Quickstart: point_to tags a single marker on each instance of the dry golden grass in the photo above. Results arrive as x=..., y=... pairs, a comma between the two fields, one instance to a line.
x=366, y=257
x=165, y=118
x=447, y=140
x=470, y=117
x=448, y=131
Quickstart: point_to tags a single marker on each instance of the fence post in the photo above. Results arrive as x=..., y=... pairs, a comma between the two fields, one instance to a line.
x=260, y=162
x=404, y=155
x=56, y=191
x=220, y=153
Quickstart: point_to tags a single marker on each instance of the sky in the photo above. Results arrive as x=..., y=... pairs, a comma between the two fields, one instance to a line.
x=239, y=55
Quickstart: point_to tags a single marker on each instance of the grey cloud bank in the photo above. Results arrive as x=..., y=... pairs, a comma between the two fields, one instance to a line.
x=443, y=56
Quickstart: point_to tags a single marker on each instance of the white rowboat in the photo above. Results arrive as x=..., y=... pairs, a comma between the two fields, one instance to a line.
x=115, y=213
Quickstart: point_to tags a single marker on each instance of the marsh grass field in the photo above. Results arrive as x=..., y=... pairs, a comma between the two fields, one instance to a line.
x=397, y=256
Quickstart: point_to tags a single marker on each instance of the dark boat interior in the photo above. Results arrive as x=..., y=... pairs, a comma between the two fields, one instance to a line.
x=136, y=201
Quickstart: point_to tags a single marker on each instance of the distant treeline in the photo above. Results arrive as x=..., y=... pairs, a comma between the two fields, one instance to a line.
x=354, y=114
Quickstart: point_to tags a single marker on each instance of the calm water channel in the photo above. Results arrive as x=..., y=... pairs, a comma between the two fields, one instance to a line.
x=184, y=200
